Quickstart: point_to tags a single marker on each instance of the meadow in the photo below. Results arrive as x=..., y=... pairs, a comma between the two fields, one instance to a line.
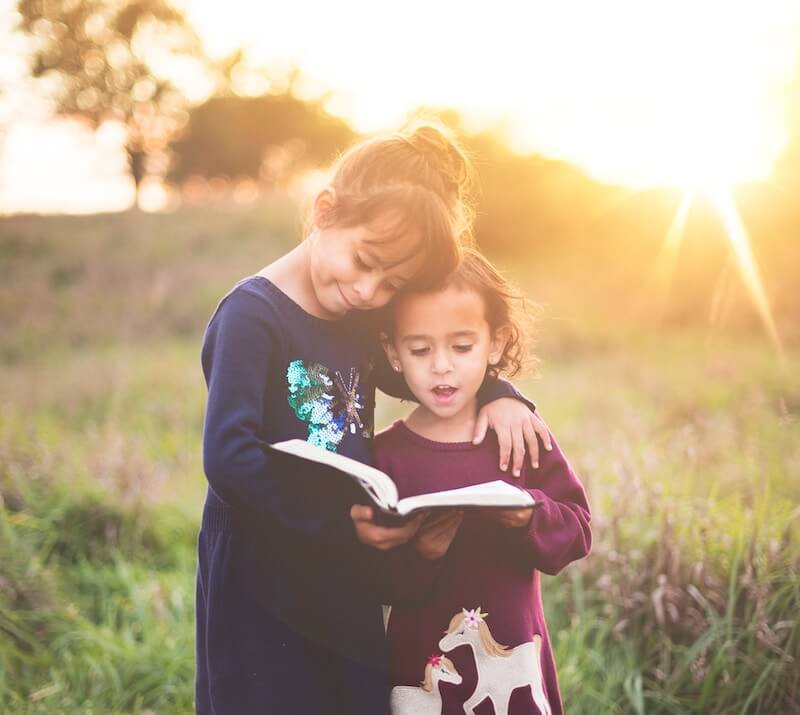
x=687, y=438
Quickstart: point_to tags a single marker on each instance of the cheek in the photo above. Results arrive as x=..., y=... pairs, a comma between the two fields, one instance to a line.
x=381, y=298
x=342, y=265
x=415, y=371
x=476, y=363
x=333, y=260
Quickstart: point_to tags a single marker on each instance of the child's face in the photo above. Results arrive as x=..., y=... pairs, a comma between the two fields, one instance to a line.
x=444, y=345
x=350, y=272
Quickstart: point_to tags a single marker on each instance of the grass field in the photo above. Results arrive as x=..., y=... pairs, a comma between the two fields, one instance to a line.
x=688, y=441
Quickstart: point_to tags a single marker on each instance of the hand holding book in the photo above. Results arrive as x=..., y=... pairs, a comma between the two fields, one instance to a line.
x=381, y=536
x=511, y=518
x=437, y=532
x=382, y=492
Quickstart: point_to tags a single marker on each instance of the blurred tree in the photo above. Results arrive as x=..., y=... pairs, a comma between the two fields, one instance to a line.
x=267, y=137
x=526, y=204
x=100, y=54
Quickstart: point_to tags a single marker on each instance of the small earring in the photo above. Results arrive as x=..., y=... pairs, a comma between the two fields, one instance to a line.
x=397, y=367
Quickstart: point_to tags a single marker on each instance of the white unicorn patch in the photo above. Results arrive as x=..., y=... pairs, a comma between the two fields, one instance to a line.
x=425, y=700
x=500, y=669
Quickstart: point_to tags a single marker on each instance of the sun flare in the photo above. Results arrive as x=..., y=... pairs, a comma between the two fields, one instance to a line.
x=687, y=93
x=741, y=260
x=746, y=263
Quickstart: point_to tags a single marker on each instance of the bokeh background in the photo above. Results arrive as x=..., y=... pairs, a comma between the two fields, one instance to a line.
x=639, y=179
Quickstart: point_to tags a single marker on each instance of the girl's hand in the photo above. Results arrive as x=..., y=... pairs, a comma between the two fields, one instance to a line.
x=436, y=534
x=381, y=537
x=515, y=426
x=511, y=518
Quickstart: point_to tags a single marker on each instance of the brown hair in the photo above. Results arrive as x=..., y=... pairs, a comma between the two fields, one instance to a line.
x=422, y=178
x=503, y=305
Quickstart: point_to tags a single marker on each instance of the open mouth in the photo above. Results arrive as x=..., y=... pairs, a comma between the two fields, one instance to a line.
x=444, y=393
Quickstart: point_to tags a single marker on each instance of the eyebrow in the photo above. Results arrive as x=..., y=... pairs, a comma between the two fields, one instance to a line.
x=457, y=334
x=367, y=248
x=402, y=280
x=383, y=265
x=372, y=256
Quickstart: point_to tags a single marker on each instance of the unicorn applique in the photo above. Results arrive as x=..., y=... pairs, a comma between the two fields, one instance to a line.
x=500, y=669
x=425, y=700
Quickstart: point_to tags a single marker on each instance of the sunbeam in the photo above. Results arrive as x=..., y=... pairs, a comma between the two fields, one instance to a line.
x=664, y=266
x=745, y=261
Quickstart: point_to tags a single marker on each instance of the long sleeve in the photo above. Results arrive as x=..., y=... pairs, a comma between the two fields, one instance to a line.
x=239, y=347
x=559, y=530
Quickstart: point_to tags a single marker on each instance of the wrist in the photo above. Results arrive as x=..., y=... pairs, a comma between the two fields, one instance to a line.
x=518, y=521
x=428, y=553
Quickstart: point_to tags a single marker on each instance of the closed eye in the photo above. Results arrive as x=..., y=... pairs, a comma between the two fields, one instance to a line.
x=419, y=351
x=462, y=348
x=362, y=264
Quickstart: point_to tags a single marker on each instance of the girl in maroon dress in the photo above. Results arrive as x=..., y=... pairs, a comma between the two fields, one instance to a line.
x=478, y=640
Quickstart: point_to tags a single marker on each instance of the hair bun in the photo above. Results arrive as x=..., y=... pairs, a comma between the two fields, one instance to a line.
x=442, y=153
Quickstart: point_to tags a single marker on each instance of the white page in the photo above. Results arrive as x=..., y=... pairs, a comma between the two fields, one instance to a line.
x=497, y=493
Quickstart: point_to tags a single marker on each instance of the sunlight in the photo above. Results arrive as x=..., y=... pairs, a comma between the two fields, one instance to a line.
x=664, y=267
x=745, y=262
x=681, y=94
x=741, y=260
x=685, y=93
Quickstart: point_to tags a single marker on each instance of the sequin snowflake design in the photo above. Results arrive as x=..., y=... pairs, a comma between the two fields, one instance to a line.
x=352, y=404
x=330, y=406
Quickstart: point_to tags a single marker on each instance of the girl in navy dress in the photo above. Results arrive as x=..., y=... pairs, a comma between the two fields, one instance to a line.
x=292, y=570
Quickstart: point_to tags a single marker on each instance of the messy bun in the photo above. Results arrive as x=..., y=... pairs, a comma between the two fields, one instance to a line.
x=444, y=157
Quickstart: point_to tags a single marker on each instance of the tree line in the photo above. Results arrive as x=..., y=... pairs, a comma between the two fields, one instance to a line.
x=105, y=60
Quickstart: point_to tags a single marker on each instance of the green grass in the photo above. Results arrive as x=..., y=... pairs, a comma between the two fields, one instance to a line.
x=96, y=597
x=688, y=442
x=690, y=599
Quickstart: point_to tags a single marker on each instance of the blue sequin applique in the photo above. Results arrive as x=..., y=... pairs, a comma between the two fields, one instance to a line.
x=329, y=404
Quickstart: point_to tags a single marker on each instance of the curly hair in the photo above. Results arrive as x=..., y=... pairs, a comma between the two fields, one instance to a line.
x=504, y=306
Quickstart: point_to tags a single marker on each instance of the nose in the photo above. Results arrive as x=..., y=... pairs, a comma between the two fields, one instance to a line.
x=441, y=363
x=366, y=287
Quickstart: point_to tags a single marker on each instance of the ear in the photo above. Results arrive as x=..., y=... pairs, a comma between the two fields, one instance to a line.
x=391, y=353
x=324, y=205
x=498, y=343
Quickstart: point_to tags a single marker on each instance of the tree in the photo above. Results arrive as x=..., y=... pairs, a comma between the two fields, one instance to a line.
x=265, y=137
x=98, y=51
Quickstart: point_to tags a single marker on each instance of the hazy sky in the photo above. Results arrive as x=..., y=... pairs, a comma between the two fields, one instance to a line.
x=634, y=91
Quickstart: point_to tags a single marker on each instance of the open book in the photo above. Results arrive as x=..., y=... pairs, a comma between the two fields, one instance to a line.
x=382, y=491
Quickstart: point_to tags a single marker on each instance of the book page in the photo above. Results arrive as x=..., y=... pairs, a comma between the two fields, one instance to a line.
x=490, y=494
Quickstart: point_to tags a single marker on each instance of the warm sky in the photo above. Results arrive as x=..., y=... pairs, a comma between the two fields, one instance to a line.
x=683, y=92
